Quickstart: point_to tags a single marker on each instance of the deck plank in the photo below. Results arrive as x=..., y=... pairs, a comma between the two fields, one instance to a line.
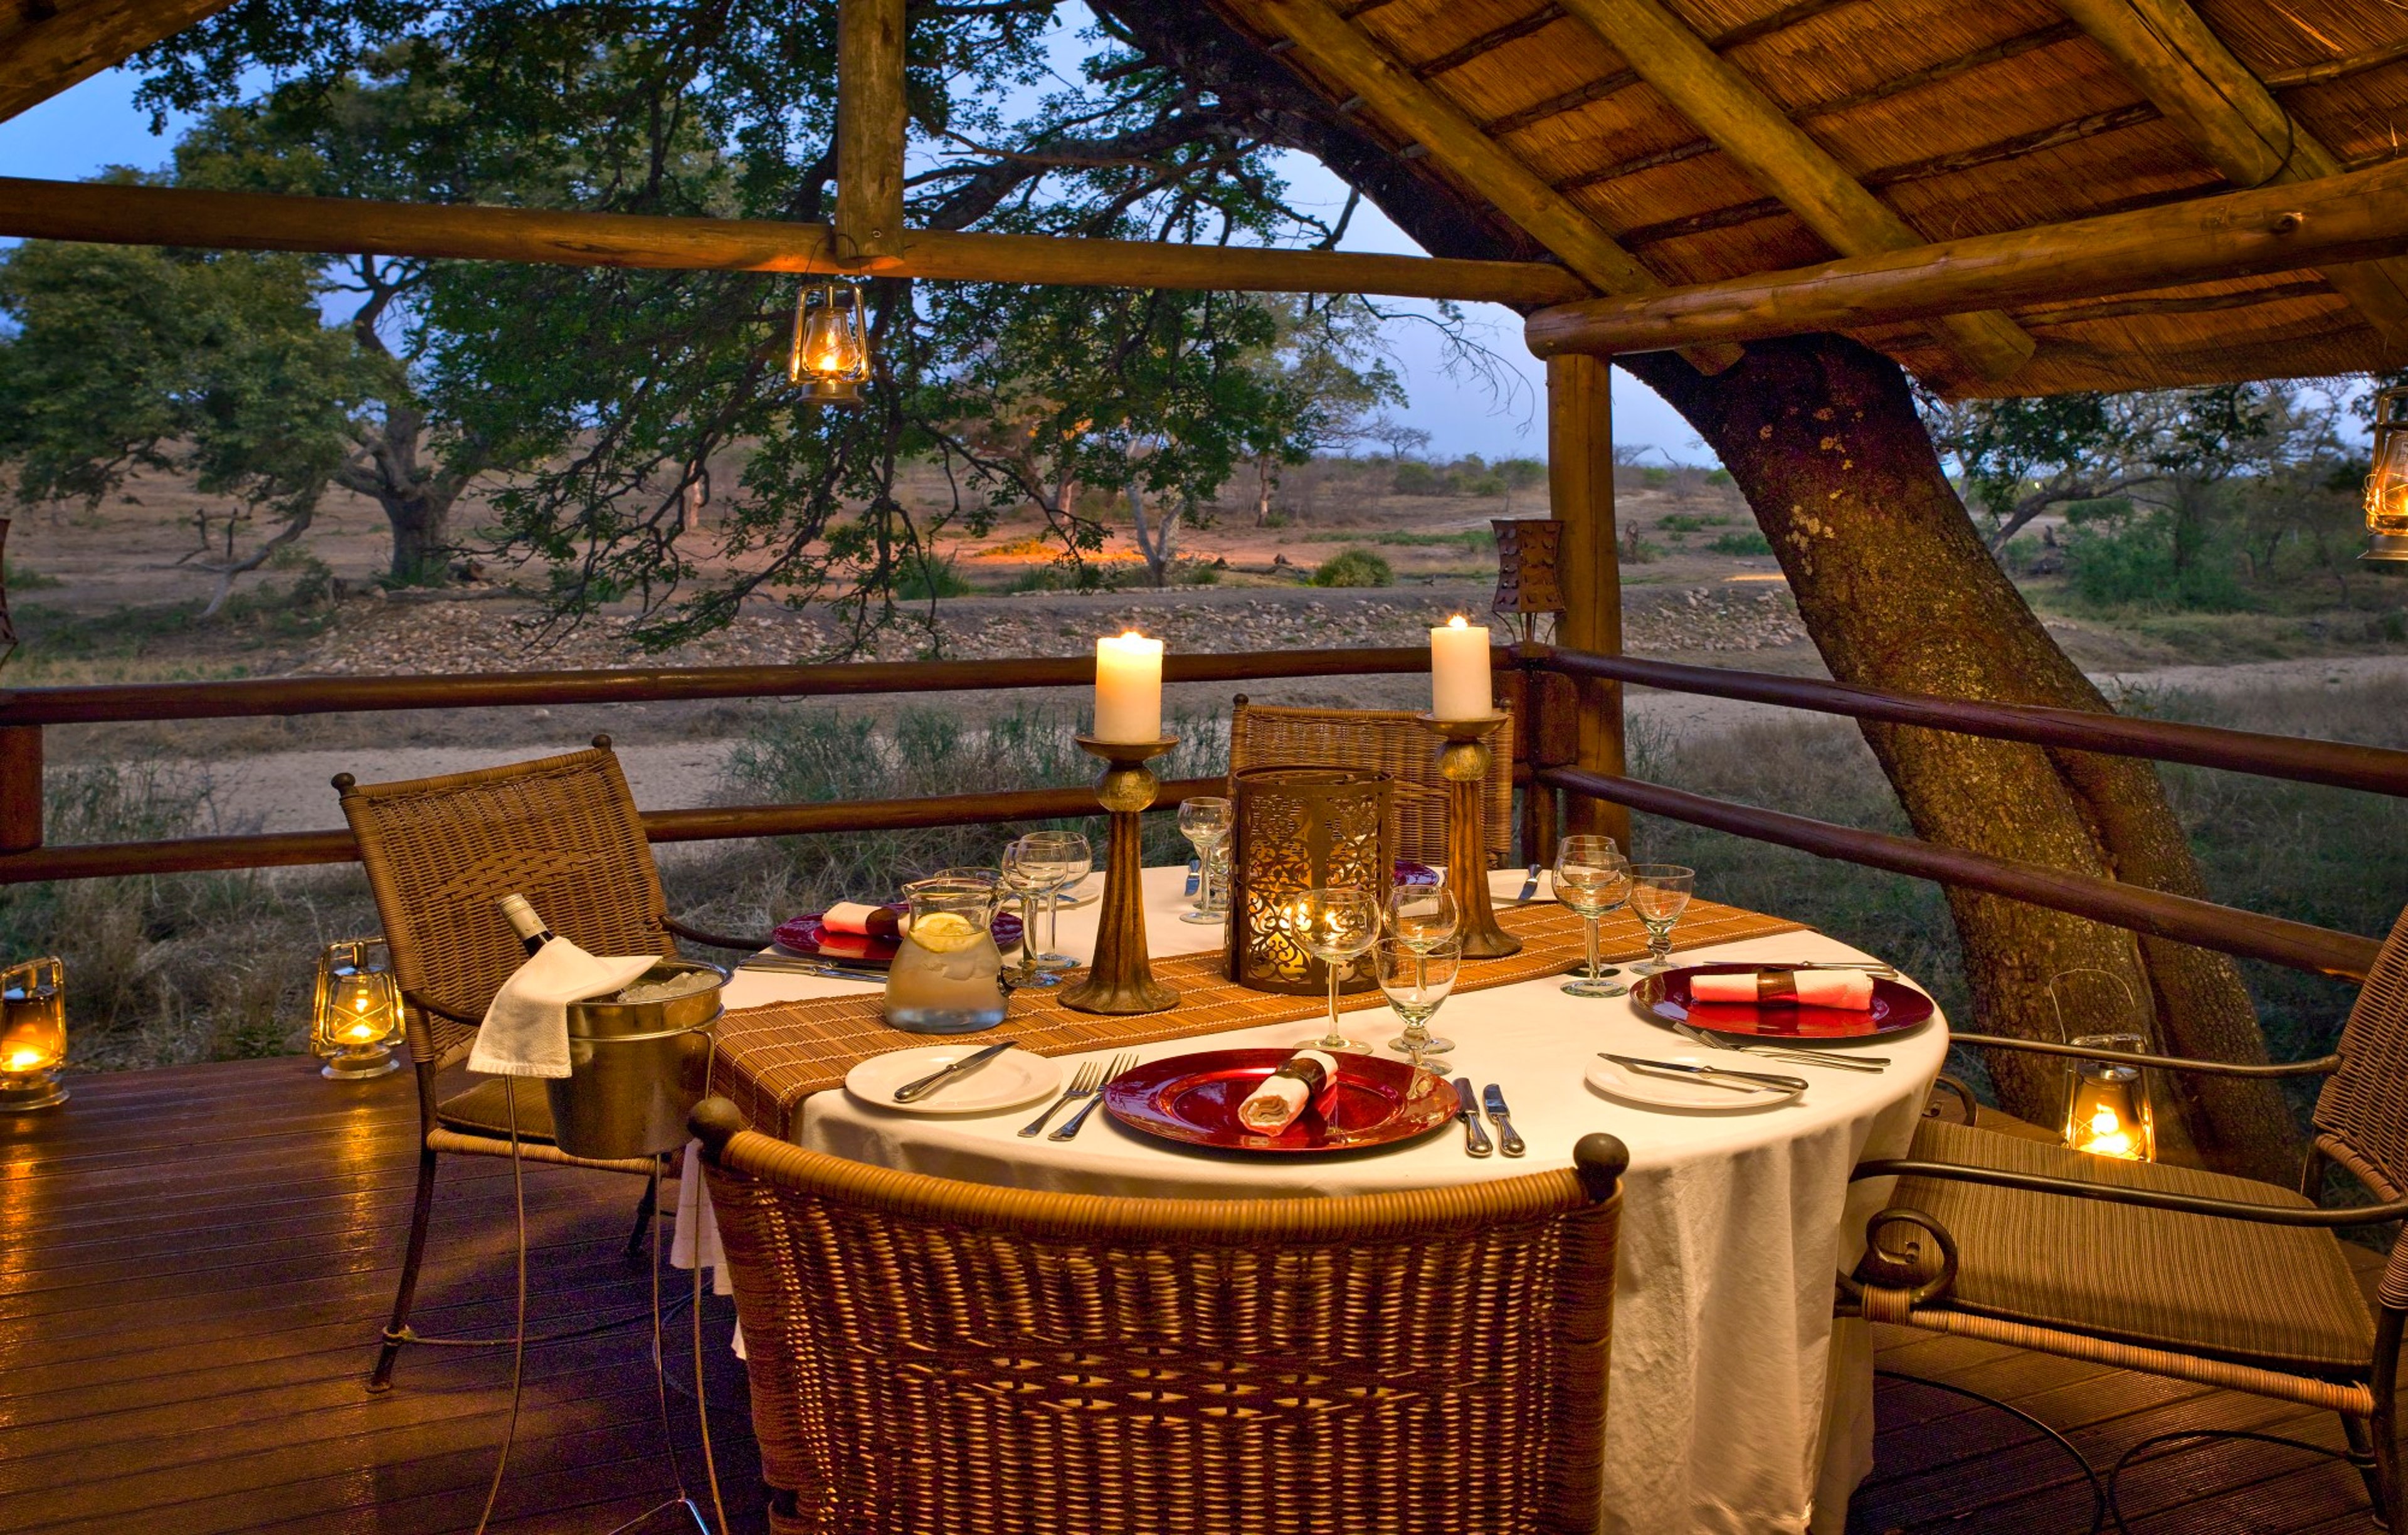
x=194, y=1263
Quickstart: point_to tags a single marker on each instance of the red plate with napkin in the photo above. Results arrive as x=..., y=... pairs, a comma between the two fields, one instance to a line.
x=1782, y=1008
x=1193, y=1100
x=809, y=933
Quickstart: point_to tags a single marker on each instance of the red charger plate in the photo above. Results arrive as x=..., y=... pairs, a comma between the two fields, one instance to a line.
x=1666, y=999
x=1193, y=1100
x=807, y=935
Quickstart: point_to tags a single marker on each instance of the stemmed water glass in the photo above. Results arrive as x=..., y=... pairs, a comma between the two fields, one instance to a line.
x=1418, y=978
x=1335, y=926
x=1071, y=858
x=1205, y=821
x=1592, y=877
x=1423, y=916
x=1028, y=872
x=1659, y=892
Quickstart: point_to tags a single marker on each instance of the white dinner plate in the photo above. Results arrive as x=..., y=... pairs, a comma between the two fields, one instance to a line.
x=1010, y=1081
x=1671, y=1090
x=1505, y=884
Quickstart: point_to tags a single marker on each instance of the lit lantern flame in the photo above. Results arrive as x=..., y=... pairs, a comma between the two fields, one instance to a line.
x=830, y=355
x=32, y=1034
x=2107, y=1113
x=356, y=1019
x=2386, y=486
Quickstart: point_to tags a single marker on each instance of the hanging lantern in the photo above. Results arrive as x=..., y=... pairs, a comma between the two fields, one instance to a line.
x=2386, y=486
x=32, y=1034
x=1300, y=829
x=355, y=1018
x=831, y=350
x=2107, y=1102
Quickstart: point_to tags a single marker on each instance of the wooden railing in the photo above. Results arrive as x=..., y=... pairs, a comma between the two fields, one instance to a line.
x=1548, y=764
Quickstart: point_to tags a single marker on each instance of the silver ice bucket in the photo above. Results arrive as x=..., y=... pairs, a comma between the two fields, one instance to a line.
x=636, y=1070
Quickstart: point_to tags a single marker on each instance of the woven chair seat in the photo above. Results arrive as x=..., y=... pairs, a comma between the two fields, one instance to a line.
x=2275, y=1296
x=482, y=1110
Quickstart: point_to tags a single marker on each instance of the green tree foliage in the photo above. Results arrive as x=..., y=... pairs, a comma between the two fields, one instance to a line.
x=211, y=365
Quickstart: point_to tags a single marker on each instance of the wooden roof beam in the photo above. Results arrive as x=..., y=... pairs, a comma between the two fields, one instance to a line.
x=242, y=221
x=1745, y=124
x=46, y=48
x=1347, y=57
x=2232, y=119
x=2353, y=217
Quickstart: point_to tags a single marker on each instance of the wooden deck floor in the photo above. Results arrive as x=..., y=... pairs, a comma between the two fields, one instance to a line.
x=194, y=1263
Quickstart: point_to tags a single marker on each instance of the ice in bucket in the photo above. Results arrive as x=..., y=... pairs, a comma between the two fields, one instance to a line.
x=946, y=975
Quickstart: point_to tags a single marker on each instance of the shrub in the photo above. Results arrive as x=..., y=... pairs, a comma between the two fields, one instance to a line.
x=1656, y=475
x=1718, y=477
x=1751, y=541
x=2135, y=565
x=1354, y=567
x=1416, y=478
x=18, y=578
x=922, y=578
x=1199, y=573
x=1682, y=522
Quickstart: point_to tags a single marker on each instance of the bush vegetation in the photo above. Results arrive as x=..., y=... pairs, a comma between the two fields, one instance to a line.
x=1354, y=567
x=1752, y=541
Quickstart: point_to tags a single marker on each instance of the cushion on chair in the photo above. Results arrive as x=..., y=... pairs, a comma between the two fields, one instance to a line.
x=482, y=1111
x=2276, y=1295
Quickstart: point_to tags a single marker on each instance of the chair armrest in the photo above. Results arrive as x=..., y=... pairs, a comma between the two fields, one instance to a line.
x=712, y=940
x=424, y=1004
x=2189, y=1204
x=2321, y=1066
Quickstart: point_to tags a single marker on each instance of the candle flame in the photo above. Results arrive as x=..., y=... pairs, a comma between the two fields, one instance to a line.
x=1456, y=622
x=2108, y=1136
x=1131, y=634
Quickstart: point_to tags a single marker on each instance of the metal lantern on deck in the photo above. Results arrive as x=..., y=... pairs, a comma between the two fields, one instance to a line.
x=2387, y=485
x=32, y=1034
x=2107, y=1111
x=355, y=1017
x=830, y=356
x=1299, y=829
x=1527, y=551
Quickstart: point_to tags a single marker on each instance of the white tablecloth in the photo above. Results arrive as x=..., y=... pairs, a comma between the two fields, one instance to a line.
x=1735, y=1405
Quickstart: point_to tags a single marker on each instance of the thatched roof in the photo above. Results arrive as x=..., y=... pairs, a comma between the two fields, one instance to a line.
x=1963, y=117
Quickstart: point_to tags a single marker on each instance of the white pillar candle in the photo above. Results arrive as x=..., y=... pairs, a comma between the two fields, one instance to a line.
x=1128, y=688
x=1459, y=682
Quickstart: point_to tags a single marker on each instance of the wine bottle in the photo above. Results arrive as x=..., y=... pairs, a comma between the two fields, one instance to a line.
x=531, y=930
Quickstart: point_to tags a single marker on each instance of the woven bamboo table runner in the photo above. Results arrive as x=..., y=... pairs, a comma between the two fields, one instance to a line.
x=772, y=1057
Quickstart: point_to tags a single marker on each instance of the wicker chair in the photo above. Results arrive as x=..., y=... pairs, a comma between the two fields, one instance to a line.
x=2196, y=1276
x=564, y=832
x=928, y=1354
x=1387, y=741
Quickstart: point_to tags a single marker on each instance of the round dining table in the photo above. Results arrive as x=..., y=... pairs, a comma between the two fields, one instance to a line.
x=1736, y=1403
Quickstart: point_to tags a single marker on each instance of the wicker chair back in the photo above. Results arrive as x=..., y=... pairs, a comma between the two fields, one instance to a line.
x=2361, y=1116
x=928, y=1354
x=1382, y=740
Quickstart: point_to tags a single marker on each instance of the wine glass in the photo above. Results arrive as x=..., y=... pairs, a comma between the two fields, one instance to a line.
x=1659, y=892
x=1592, y=877
x=1205, y=821
x=1071, y=858
x=1028, y=874
x=1418, y=978
x=1423, y=916
x=1335, y=926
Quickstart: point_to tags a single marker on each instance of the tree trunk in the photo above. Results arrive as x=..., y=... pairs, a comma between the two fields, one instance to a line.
x=1899, y=591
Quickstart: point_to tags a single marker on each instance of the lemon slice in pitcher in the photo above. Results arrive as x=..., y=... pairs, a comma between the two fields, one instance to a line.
x=944, y=932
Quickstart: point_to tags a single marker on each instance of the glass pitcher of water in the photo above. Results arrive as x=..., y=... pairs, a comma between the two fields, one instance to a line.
x=948, y=975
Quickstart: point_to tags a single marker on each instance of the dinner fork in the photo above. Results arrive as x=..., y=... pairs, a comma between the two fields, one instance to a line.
x=1095, y=1094
x=1810, y=1057
x=1089, y=1076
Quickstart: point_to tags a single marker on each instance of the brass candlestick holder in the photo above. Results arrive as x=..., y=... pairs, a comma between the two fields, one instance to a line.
x=1120, y=980
x=1463, y=761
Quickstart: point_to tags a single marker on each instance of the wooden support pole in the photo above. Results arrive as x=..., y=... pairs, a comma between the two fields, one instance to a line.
x=248, y=221
x=1326, y=42
x=1747, y=125
x=46, y=45
x=1580, y=495
x=2233, y=119
x=20, y=788
x=869, y=133
x=2272, y=229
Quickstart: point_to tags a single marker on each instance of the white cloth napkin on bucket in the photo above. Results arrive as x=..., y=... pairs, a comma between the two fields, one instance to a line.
x=697, y=1242
x=526, y=1029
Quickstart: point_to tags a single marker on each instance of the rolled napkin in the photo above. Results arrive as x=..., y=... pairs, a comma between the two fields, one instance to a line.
x=525, y=1032
x=1804, y=988
x=861, y=918
x=1306, y=1077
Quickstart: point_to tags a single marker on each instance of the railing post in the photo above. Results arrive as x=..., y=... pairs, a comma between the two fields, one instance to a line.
x=20, y=788
x=1580, y=495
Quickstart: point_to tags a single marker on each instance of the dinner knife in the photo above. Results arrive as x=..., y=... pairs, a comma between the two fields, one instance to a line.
x=1712, y=1073
x=912, y=1092
x=1475, y=1139
x=1194, y=876
x=1530, y=886
x=1507, y=1141
x=779, y=965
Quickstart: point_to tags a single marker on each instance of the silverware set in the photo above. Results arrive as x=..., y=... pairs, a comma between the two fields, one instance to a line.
x=827, y=969
x=1713, y=1076
x=1475, y=1139
x=1086, y=1082
x=1802, y=1056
